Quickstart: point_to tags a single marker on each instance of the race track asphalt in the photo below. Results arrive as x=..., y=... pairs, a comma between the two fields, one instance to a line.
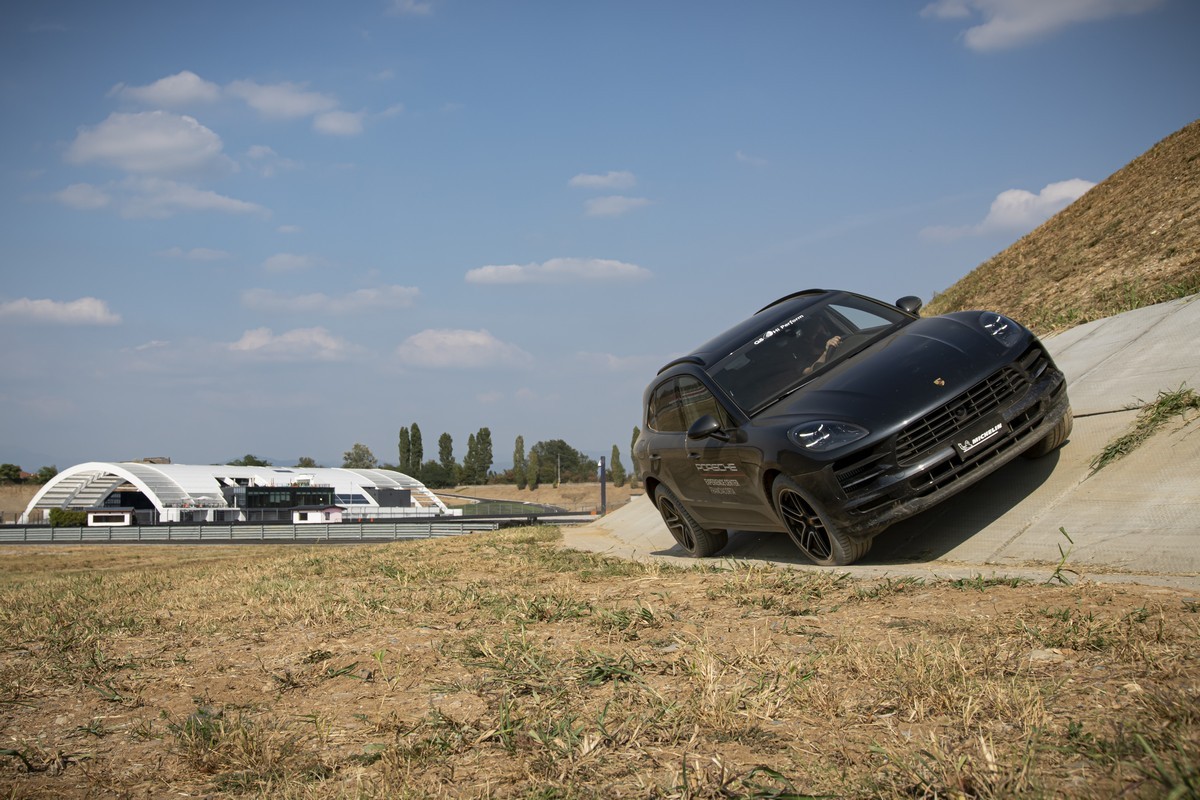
x=1136, y=520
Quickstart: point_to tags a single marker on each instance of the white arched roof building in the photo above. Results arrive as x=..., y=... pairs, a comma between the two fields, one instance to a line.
x=179, y=491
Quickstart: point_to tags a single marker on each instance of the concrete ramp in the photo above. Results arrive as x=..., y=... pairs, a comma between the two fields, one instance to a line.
x=1138, y=519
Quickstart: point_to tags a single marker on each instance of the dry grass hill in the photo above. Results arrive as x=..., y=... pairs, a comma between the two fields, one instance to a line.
x=1132, y=241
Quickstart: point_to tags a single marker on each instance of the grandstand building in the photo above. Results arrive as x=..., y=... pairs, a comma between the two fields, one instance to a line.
x=175, y=493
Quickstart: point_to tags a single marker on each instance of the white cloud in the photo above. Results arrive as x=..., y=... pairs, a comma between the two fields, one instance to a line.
x=609, y=180
x=559, y=270
x=1018, y=210
x=282, y=100
x=300, y=344
x=182, y=89
x=155, y=198
x=148, y=142
x=458, y=349
x=362, y=300
x=83, y=196
x=194, y=254
x=84, y=311
x=339, y=123
x=614, y=205
x=1013, y=23
x=412, y=8
x=267, y=162
x=288, y=262
x=289, y=229
x=613, y=363
x=753, y=161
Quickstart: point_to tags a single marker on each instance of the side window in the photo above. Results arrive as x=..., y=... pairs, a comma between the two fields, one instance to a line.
x=666, y=409
x=697, y=401
x=861, y=319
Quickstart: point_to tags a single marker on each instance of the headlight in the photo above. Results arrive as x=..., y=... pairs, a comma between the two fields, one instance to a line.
x=1000, y=328
x=820, y=437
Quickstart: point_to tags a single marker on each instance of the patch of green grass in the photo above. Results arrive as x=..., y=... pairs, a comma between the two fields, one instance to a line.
x=1153, y=416
x=887, y=587
x=979, y=583
x=1129, y=295
x=1175, y=770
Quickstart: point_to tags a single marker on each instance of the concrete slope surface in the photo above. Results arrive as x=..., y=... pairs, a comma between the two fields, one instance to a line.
x=1138, y=519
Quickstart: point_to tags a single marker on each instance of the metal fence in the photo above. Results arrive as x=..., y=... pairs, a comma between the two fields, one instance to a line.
x=246, y=534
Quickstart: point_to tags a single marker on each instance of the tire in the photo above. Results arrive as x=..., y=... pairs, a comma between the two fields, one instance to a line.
x=811, y=532
x=699, y=542
x=1053, y=440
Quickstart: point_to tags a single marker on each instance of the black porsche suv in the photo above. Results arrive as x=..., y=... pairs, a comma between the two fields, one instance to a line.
x=829, y=416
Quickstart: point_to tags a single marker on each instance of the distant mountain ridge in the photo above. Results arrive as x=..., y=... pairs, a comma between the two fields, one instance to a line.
x=1131, y=241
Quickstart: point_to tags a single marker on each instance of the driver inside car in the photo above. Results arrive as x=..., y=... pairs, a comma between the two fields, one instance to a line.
x=824, y=341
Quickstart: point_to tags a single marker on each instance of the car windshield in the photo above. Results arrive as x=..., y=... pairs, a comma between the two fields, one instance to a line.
x=792, y=348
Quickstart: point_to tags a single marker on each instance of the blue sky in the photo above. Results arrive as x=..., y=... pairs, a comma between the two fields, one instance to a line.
x=281, y=228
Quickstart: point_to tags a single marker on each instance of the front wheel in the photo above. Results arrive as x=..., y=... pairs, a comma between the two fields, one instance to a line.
x=818, y=539
x=1053, y=440
x=699, y=542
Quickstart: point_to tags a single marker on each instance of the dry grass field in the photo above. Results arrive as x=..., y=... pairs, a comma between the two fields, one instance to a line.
x=502, y=665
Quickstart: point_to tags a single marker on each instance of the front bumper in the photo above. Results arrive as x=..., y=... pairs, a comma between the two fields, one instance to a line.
x=867, y=492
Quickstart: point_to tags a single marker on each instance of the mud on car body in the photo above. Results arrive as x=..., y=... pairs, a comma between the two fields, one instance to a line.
x=829, y=416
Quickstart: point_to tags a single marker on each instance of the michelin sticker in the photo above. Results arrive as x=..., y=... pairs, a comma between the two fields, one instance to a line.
x=967, y=445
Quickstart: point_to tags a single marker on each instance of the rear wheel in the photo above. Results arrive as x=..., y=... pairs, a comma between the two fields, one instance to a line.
x=699, y=542
x=821, y=541
x=1053, y=440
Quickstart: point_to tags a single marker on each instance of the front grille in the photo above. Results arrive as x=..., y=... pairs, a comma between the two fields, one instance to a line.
x=959, y=414
x=956, y=468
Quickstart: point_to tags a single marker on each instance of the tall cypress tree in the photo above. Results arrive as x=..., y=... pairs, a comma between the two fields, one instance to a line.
x=519, y=465
x=405, y=463
x=446, y=454
x=416, y=451
x=471, y=461
x=483, y=454
x=633, y=461
x=615, y=468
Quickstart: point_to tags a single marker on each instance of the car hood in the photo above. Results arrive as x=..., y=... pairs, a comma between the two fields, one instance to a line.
x=902, y=377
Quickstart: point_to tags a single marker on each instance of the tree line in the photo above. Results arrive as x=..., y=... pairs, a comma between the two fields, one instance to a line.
x=13, y=474
x=545, y=463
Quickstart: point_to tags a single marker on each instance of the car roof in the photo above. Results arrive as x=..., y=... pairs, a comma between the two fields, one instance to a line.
x=725, y=343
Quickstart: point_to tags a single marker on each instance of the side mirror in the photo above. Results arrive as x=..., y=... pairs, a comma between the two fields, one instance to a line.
x=707, y=427
x=909, y=303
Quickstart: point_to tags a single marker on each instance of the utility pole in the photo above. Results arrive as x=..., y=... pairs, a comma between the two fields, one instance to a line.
x=603, y=489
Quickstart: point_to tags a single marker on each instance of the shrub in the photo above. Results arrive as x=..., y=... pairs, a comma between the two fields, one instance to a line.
x=67, y=518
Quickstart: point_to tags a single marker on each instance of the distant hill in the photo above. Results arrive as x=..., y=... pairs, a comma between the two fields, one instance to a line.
x=1131, y=241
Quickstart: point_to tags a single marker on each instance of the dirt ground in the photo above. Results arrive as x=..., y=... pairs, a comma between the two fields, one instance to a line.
x=572, y=496
x=503, y=665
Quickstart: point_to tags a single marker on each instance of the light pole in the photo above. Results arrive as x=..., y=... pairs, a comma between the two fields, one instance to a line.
x=603, y=489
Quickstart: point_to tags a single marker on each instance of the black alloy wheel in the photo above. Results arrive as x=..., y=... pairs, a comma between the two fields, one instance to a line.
x=822, y=543
x=700, y=542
